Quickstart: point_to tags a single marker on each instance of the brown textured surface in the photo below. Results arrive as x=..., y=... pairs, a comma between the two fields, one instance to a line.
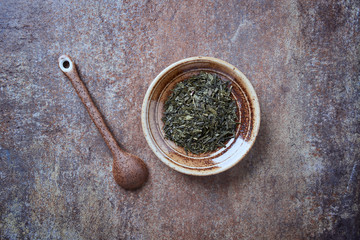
x=300, y=180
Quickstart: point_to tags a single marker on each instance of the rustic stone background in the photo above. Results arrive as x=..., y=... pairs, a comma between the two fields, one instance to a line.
x=300, y=181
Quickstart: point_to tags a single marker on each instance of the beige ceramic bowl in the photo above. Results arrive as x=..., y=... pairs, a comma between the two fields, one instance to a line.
x=210, y=163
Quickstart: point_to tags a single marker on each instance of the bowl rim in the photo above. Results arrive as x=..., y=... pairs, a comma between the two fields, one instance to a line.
x=203, y=172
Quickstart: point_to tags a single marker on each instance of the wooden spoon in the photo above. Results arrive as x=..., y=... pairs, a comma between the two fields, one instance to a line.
x=129, y=171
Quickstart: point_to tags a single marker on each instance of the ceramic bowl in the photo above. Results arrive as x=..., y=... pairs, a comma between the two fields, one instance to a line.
x=210, y=163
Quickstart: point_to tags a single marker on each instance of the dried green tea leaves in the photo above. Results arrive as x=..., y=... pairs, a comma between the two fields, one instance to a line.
x=200, y=114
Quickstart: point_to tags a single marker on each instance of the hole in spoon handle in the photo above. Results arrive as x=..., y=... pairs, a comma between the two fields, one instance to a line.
x=65, y=63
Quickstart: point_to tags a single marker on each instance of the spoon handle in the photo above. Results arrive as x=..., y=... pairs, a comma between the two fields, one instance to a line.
x=68, y=67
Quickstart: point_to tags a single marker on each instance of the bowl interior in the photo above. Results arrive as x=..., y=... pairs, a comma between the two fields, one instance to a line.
x=175, y=156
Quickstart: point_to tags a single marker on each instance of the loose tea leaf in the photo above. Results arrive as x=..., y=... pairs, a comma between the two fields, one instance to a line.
x=200, y=114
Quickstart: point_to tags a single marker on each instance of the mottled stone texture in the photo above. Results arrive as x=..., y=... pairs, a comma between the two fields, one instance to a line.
x=300, y=181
